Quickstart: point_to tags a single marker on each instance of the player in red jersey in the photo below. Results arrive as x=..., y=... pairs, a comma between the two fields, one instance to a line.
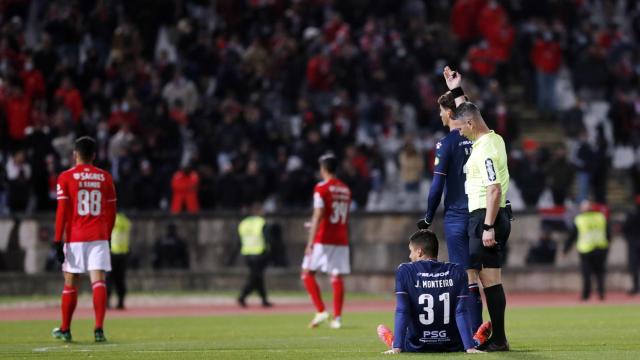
x=328, y=245
x=85, y=215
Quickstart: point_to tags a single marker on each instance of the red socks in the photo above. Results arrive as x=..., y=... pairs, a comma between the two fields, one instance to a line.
x=99, y=302
x=68, y=306
x=338, y=295
x=311, y=285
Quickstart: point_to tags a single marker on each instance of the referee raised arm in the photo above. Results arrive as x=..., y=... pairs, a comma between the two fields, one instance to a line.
x=486, y=186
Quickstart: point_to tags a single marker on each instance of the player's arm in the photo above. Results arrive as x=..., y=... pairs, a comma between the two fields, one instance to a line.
x=62, y=218
x=403, y=311
x=454, y=83
x=110, y=206
x=318, y=212
x=440, y=171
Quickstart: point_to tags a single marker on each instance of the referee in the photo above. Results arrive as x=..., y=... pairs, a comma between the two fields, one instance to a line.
x=489, y=225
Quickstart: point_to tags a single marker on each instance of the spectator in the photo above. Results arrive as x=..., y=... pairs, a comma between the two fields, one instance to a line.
x=543, y=252
x=560, y=176
x=18, y=182
x=184, y=185
x=71, y=98
x=546, y=57
x=17, y=108
x=183, y=89
x=411, y=172
x=631, y=231
x=170, y=251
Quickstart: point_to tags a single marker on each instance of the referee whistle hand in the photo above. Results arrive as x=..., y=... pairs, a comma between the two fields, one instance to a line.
x=489, y=238
x=422, y=224
x=60, y=251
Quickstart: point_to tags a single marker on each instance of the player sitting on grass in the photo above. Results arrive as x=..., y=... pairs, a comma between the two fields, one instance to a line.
x=430, y=309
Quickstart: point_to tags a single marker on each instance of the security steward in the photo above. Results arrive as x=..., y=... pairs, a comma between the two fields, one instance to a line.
x=117, y=278
x=487, y=183
x=591, y=231
x=254, y=250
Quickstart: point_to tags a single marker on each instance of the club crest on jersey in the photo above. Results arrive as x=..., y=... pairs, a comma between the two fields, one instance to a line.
x=438, y=145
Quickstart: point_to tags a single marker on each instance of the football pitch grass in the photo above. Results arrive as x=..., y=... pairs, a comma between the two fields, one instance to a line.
x=582, y=332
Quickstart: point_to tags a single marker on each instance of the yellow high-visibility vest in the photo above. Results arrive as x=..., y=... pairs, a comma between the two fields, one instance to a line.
x=250, y=231
x=120, y=235
x=592, y=231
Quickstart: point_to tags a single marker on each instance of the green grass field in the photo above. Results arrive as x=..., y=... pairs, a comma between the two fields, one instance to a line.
x=598, y=332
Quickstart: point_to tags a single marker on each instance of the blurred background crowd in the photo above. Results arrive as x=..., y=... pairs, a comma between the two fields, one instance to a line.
x=199, y=105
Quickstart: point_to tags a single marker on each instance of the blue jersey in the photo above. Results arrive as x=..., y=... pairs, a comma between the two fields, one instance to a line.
x=433, y=318
x=452, y=153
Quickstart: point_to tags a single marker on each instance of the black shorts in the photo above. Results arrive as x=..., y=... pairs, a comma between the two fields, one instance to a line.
x=487, y=257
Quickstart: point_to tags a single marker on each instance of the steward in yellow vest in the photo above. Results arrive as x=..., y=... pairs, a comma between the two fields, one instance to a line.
x=117, y=278
x=590, y=232
x=254, y=250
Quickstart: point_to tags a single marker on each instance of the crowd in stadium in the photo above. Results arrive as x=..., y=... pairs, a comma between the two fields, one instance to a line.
x=198, y=105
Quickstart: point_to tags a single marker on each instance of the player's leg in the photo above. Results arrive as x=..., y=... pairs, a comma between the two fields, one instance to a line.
x=98, y=263
x=455, y=231
x=312, y=262
x=99, y=287
x=67, y=306
x=337, y=284
x=74, y=265
x=338, y=266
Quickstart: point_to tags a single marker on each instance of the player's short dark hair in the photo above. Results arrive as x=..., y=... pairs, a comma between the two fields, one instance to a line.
x=85, y=146
x=329, y=162
x=447, y=101
x=466, y=109
x=425, y=240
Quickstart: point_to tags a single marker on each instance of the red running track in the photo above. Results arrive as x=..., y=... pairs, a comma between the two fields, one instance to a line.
x=287, y=306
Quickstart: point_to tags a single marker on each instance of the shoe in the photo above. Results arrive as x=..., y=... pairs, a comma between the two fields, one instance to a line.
x=267, y=304
x=385, y=335
x=62, y=335
x=99, y=335
x=483, y=334
x=632, y=292
x=491, y=346
x=318, y=319
x=242, y=302
x=336, y=323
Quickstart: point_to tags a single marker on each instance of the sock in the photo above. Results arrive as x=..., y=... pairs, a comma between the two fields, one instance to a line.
x=99, y=302
x=68, y=306
x=496, y=303
x=338, y=295
x=311, y=285
x=474, y=307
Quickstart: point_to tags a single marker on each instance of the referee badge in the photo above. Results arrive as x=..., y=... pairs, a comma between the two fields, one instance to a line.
x=491, y=172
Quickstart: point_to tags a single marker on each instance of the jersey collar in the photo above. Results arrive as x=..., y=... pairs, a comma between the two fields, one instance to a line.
x=482, y=138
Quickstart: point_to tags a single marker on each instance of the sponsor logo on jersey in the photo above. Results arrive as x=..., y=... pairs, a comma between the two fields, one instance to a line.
x=433, y=274
x=88, y=176
x=434, y=336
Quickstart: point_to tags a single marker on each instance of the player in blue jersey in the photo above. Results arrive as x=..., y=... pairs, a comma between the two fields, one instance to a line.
x=430, y=303
x=452, y=153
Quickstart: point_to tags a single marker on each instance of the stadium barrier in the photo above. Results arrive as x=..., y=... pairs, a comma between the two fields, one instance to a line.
x=379, y=244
